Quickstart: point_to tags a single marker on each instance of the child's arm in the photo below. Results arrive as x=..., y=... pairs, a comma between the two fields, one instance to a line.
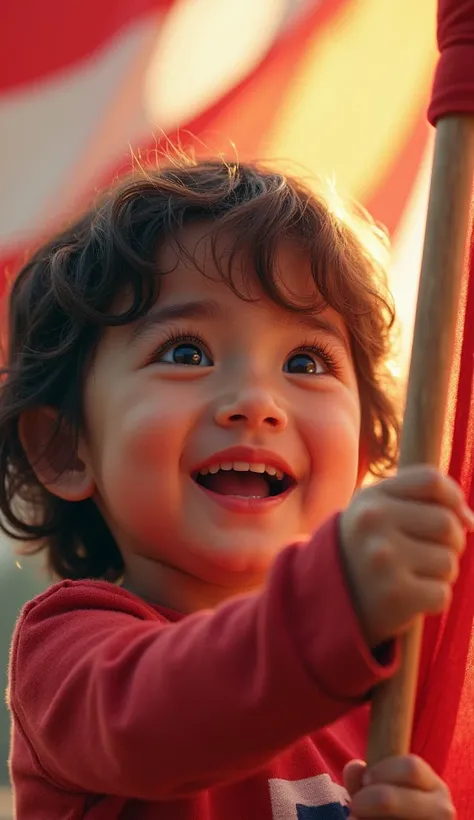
x=112, y=703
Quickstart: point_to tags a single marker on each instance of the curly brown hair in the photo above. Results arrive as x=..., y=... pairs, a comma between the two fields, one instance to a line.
x=65, y=295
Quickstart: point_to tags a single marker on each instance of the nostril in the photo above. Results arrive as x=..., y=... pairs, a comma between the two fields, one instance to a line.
x=272, y=422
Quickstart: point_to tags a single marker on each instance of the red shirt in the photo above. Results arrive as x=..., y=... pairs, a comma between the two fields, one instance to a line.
x=247, y=711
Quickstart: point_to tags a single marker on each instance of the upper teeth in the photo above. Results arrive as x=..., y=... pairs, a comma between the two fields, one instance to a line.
x=242, y=467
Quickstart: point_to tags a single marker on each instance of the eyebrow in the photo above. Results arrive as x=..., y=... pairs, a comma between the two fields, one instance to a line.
x=315, y=322
x=206, y=309
x=212, y=310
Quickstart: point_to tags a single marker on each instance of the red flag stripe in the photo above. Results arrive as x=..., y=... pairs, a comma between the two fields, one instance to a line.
x=49, y=36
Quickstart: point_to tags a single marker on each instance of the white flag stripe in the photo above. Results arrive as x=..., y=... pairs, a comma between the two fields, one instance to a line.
x=48, y=129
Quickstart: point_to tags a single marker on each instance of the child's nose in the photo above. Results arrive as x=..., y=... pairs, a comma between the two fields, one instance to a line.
x=254, y=409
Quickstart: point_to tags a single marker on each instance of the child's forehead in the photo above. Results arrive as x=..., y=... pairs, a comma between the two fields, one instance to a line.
x=199, y=259
x=194, y=268
x=193, y=289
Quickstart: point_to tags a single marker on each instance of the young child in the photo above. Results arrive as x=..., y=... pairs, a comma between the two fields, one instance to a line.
x=194, y=390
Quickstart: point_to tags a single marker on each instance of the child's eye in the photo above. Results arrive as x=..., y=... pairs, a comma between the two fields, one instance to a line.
x=309, y=363
x=184, y=353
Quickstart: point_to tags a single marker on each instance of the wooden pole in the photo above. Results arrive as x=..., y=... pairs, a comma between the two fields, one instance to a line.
x=442, y=266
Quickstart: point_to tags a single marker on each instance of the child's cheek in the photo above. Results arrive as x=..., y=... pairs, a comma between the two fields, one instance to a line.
x=332, y=434
x=140, y=459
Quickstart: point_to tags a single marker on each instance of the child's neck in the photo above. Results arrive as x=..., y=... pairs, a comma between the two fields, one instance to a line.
x=174, y=589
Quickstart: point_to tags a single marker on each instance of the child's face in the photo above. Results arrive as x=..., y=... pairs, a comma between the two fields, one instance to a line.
x=254, y=380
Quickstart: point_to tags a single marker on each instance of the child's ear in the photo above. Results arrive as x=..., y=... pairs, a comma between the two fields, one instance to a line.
x=50, y=447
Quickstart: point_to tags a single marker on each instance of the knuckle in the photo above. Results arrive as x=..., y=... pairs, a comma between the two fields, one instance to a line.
x=394, y=598
x=452, y=567
x=384, y=800
x=458, y=536
x=446, y=809
x=412, y=769
x=432, y=478
x=381, y=555
x=450, y=530
x=447, y=528
x=443, y=565
x=369, y=514
x=440, y=600
x=446, y=595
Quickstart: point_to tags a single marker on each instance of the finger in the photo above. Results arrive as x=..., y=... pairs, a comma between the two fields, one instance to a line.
x=427, y=596
x=430, y=522
x=404, y=770
x=352, y=776
x=425, y=483
x=386, y=801
x=419, y=558
x=432, y=561
x=417, y=596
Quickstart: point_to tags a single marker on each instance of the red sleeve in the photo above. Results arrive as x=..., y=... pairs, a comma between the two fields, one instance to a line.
x=453, y=87
x=114, y=701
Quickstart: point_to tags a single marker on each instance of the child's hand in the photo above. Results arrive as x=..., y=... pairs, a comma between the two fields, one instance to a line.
x=402, y=540
x=401, y=788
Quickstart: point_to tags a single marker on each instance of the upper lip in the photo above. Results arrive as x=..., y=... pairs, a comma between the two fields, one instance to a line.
x=250, y=455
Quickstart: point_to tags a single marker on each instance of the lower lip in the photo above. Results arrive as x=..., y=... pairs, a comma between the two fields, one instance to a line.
x=246, y=505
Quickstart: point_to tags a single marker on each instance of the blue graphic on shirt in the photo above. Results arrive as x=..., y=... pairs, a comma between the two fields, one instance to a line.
x=331, y=811
x=311, y=798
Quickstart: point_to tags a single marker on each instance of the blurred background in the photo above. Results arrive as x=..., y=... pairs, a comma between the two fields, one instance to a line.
x=335, y=88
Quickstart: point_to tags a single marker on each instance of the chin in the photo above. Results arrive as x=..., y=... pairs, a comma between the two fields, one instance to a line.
x=253, y=556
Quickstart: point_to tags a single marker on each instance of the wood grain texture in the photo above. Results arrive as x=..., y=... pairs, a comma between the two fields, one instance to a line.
x=442, y=266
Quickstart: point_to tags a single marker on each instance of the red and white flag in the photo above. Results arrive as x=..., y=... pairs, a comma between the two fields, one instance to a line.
x=320, y=86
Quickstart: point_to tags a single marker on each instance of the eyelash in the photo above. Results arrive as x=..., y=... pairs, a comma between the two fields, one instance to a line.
x=320, y=349
x=323, y=351
x=176, y=338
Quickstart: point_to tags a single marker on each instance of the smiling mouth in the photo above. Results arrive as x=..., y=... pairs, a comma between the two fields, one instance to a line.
x=241, y=480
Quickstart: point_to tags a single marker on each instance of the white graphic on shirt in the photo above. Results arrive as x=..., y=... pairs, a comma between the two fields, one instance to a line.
x=292, y=799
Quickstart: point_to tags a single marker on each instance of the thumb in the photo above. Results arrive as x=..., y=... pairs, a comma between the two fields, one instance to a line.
x=352, y=776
